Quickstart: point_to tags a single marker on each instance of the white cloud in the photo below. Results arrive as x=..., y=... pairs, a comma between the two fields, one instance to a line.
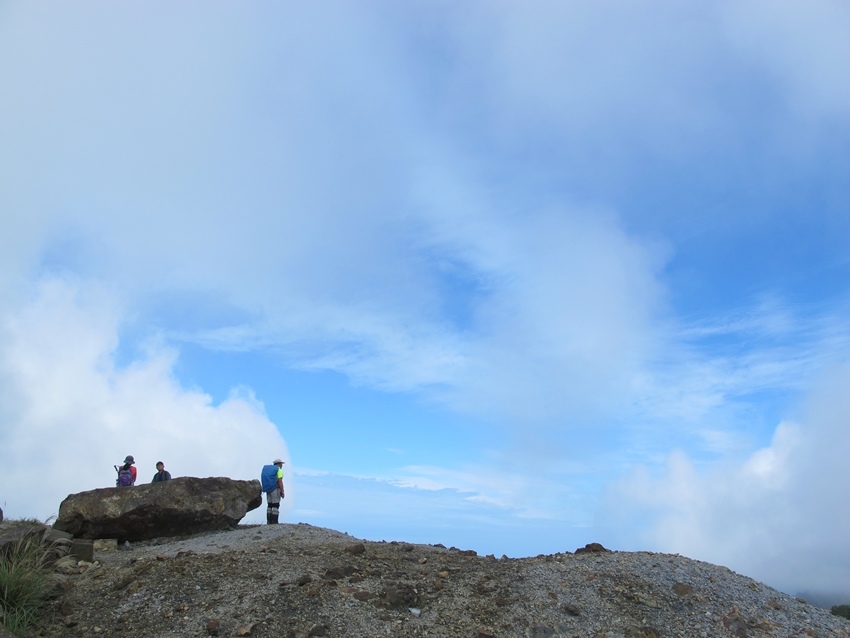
x=575, y=311
x=68, y=412
x=804, y=48
x=777, y=516
x=335, y=260
x=334, y=222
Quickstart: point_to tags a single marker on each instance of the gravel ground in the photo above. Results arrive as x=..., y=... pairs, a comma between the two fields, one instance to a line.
x=297, y=580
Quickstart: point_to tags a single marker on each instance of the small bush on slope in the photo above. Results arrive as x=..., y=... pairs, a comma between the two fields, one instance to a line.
x=841, y=610
x=26, y=582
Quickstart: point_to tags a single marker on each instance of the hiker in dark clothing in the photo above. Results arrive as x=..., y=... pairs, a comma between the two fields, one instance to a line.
x=161, y=473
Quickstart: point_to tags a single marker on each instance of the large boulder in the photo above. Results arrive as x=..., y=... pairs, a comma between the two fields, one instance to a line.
x=184, y=505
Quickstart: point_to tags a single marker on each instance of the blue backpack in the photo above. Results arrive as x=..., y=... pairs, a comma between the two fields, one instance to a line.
x=268, y=477
x=125, y=477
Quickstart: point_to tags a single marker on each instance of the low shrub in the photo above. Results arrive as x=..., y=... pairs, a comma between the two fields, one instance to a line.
x=841, y=610
x=26, y=581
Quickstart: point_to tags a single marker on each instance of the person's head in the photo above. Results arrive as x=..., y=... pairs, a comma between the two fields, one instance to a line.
x=278, y=462
x=129, y=460
x=160, y=466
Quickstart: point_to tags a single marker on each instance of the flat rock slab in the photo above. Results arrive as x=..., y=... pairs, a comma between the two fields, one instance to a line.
x=185, y=505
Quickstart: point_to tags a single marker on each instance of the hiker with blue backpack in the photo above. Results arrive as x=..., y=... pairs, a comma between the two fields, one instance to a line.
x=272, y=481
x=126, y=473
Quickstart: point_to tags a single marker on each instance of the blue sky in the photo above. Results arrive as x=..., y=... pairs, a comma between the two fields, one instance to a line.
x=510, y=277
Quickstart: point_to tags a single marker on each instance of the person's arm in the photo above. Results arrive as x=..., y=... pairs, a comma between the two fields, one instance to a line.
x=280, y=482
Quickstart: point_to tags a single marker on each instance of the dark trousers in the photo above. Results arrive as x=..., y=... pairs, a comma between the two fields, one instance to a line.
x=273, y=507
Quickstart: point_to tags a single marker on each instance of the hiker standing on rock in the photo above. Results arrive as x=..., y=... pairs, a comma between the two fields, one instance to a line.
x=272, y=480
x=161, y=473
x=126, y=473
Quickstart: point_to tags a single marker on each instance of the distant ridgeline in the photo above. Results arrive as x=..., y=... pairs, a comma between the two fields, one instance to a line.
x=827, y=600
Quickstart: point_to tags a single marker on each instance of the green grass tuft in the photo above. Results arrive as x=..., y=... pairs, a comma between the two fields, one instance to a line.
x=21, y=522
x=26, y=582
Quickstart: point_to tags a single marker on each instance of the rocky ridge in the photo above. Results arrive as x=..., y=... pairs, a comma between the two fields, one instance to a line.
x=297, y=580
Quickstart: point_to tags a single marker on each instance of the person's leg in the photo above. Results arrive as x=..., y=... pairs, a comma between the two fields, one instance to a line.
x=269, y=508
x=273, y=511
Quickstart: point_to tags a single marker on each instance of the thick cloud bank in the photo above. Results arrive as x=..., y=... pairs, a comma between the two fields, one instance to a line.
x=69, y=412
x=779, y=516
